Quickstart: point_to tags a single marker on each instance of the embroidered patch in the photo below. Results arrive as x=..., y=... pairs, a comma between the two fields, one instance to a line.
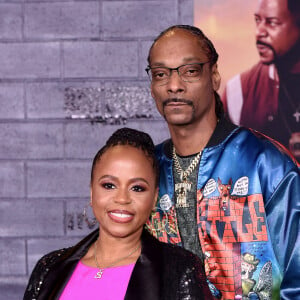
x=210, y=187
x=165, y=202
x=241, y=187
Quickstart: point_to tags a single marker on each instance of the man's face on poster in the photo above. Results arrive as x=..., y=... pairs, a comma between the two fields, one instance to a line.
x=276, y=30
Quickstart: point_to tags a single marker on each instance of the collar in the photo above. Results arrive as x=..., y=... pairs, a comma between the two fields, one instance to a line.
x=223, y=128
x=146, y=275
x=296, y=68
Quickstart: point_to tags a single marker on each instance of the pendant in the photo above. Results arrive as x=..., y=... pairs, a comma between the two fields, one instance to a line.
x=297, y=116
x=99, y=274
x=181, y=190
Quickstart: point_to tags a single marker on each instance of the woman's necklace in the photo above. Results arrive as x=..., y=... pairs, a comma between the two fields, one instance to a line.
x=183, y=187
x=101, y=270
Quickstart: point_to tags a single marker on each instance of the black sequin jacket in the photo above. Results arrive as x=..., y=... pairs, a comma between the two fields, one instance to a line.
x=162, y=272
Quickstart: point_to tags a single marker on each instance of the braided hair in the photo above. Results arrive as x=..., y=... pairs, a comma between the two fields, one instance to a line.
x=130, y=137
x=205, y=42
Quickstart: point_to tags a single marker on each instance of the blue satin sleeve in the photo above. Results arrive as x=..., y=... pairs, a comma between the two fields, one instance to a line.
x=283, y=216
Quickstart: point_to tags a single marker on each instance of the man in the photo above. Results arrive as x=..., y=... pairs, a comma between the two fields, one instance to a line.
x=225, y=192
x=267, y=97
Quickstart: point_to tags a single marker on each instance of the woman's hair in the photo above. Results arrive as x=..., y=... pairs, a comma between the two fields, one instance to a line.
x=130, y=137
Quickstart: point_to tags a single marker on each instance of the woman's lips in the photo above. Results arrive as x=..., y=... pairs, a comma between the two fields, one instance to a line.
x=120, y=216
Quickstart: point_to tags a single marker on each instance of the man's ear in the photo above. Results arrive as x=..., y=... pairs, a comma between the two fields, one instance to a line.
x=216, y=77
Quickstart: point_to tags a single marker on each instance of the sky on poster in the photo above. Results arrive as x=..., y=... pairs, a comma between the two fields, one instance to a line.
x=230, y=25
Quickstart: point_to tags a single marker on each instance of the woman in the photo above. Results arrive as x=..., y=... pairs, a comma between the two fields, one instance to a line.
x=120, y=260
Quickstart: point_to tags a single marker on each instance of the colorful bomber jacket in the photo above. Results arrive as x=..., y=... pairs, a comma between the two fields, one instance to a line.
x=248, y=212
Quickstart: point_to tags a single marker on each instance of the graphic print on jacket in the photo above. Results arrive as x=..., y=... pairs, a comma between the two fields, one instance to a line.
x=233, y=235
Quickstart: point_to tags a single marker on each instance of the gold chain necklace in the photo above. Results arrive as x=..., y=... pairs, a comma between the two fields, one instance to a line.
x=183, y=187
x=101, y=270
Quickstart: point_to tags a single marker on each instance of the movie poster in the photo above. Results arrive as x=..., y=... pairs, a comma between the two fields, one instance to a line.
x=259, y=62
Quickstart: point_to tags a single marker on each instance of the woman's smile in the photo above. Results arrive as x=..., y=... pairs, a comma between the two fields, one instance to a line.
x=120, y=216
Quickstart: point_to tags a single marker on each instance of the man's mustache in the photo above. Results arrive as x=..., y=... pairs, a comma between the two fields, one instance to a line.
x=258, y=42
x=177, y=100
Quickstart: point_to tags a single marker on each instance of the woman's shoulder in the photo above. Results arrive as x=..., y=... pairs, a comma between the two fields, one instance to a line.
x=182, y=272
x=40, y=271
x=79, y=250
x=172, y=252
x=53, y=256
x=177, y=255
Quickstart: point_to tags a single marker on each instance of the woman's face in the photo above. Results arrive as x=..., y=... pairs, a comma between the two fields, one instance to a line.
x=123, y=191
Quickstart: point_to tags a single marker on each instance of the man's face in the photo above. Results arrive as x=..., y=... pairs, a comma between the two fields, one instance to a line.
x=276, y=30
x=247, y=270
x=180, y=102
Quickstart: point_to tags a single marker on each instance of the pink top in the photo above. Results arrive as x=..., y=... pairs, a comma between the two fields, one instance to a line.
x=112, y=285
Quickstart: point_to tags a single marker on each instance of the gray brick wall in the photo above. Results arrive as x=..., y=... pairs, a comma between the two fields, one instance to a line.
x=45, y=157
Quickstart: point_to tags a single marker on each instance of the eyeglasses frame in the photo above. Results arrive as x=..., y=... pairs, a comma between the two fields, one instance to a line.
x=149, y=68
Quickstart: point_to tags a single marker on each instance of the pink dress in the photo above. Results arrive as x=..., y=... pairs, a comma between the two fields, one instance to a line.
x=111, y=286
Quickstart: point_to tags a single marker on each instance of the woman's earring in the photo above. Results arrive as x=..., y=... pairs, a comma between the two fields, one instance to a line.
x=90, y=222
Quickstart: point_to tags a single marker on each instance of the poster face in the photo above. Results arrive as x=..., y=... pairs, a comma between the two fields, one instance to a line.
x=230, y=25
x=259, y=61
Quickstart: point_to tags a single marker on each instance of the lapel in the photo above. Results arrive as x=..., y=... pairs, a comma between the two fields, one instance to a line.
x=63, y=268
x=145, y=278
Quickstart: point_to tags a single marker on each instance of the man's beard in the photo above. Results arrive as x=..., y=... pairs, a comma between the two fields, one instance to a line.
x=258, y=42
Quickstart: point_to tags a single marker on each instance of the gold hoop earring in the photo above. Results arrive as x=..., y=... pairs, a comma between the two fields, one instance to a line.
x=90, y=222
